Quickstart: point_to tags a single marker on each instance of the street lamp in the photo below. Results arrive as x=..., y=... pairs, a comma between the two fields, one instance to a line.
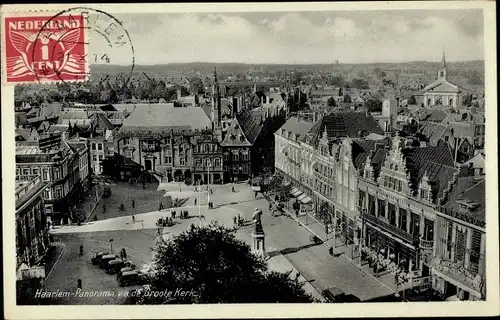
x=111, y=243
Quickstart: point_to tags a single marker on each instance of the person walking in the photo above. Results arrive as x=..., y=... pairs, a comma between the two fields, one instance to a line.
x=234, y=221
x=195, y=201
x=133, y=219
x=133, y=203
x=173, y=214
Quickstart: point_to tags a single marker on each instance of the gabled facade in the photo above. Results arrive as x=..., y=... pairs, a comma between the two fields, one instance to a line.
x=442, y=91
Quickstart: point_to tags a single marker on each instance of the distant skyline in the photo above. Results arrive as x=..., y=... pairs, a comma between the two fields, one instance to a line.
x=303, y=37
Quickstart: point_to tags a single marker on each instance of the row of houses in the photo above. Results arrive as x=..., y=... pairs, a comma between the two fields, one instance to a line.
x=402, y=201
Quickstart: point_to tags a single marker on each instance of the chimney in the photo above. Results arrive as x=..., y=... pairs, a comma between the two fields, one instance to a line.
x=179, y=94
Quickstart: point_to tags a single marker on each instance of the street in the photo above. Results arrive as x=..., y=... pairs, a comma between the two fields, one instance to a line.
x=283, y=235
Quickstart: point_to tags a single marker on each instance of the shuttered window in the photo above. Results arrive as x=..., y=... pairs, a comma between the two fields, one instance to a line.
x=460, y=246
x=475, y=251
x=449, y=240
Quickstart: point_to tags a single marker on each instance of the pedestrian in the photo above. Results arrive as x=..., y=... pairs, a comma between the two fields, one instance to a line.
x=234, y=221
x=143, y=185
x=79, y=284
x=159, y=207
x=256, y=195
x=133, y=203
x=195, y=201
x=211, y=191
x=133, y=219
x=232, y=189
x=124, y=254
x=298, y=275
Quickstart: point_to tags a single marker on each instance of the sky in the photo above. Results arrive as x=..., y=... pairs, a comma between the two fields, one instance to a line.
x=303, y=37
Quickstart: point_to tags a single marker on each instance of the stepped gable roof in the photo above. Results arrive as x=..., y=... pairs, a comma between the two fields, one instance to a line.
x=297, y=126
x=472, y=195
x=162, y=119
x=362, y=148
x=343, y=124
x=435, y=161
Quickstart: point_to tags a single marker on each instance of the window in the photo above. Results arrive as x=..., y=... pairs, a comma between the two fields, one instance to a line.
x=26, y=171
x=57, y=173
x=245, y=169
x=446, y=138
x=371, y=204
x=168, y=141
x=45, y=174
x=392, y=214
x=460, y=246
x=18, y=171
x=94, y=158
x=36, y=171
x=46, y=194
x=58, y=193
x=208, y=163
x=361, y=199
x=242, y=138
x=475, y=248
x=403, y=220
x=101, y=157
x=168, y=159
x=206, y=148
x=245, y=156
x=226, y=156
x=236, y=157
x=128, y=154
x=182, y=162
x=181, y=149
x=449, y=240
x=381, y=207
x=217, y=163
x=428, y=229
x=424, y=194
x=99, y=146
x=125, y=142
x=93, y=146
x=415, y=224
x=198, y=162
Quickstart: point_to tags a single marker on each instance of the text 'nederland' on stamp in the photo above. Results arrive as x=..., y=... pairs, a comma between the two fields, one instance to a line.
x=61, y=47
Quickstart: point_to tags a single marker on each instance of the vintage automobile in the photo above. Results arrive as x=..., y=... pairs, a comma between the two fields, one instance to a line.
x=116, y=265
x=122, y=270
x=130, y=278
x=105, y=259
x=97, y=258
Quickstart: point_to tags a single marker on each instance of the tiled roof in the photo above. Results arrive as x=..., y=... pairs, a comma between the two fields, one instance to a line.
x=474, y=194
x=104, y=121
x=27, y=134
x=437, y=162
x=250, y=122
x=235, y=136
x=361, y=148
x=164, y=118
x=448, y=86
x=462, y=129
x=432, y=115
x=344, y=124
x=432, y=131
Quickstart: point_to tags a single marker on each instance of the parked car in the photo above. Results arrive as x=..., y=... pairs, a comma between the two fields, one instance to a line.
x=130, y=278
x=105, y=259
x=333, y=294
x=122, y=270
x=114, y=266
x=97, y=258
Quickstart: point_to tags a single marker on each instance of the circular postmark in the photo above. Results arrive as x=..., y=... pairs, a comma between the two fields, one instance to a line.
x=74, y=40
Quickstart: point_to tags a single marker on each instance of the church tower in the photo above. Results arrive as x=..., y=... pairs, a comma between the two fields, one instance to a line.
x=442, y=69
x=216, y=103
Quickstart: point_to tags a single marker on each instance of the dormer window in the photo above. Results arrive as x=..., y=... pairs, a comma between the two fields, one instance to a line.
x=242, y=138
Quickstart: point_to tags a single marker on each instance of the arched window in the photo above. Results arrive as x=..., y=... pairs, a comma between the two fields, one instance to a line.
x=429, y=101
x=451, y=102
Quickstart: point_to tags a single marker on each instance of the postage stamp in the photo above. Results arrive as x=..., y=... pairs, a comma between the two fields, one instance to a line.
x=62, y=47
x=45, y=48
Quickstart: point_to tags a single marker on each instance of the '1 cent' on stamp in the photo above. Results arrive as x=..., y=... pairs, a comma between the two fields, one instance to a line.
x=44, y=48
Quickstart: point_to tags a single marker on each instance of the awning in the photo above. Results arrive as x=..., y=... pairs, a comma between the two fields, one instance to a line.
x=301, y=197
x=296, y=192
x=306, y=200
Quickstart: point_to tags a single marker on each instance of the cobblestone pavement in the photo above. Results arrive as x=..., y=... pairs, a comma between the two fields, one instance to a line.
x=283, y=234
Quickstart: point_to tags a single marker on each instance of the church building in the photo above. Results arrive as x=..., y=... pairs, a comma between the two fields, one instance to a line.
x=442, y=92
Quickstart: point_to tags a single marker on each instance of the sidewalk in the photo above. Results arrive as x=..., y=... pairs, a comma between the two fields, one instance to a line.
x=278, y=262
x=315, y=227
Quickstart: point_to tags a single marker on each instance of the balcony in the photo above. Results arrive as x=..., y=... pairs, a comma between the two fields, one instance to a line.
x=426, y=244
x=388, y=227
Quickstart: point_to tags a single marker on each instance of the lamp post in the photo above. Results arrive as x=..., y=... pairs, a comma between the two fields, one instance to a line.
x=111, y=243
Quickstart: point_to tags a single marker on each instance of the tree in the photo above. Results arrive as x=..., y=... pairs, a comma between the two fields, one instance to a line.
x=412, y=100
x=213, y=266
x=324, y=213
x=467, y=100
x=373, y=105
x=196, y=86
x=347, y=98
x=331, y=102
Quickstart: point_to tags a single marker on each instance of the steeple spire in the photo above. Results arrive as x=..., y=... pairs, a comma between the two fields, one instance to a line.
x=215, y=74
x=443, y=61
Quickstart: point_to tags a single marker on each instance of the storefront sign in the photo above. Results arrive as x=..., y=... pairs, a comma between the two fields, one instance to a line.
x=458, y=272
